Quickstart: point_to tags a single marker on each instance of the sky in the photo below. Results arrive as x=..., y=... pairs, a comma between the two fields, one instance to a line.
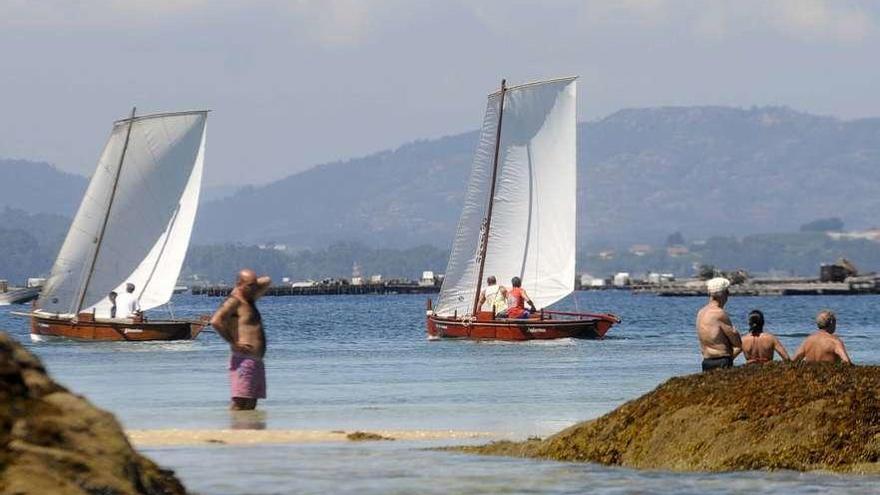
x=292, y=84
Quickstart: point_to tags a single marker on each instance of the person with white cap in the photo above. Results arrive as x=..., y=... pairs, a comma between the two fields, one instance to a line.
x=720, y=343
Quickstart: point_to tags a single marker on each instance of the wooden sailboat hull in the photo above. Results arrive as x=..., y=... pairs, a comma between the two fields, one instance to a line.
x=484, y=327
x=88, y=329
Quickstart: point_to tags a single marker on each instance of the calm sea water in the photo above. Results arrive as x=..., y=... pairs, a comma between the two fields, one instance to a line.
x=363, y=362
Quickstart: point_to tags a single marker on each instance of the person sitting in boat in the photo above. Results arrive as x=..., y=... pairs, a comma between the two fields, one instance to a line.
x=518, y=300
x=112, y=297
x=130, y=306
x=758, y=346
x=494, y=297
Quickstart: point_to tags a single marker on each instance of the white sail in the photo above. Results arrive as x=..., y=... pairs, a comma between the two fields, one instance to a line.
x=533, y=224
x=459, y=282
x=150, y=216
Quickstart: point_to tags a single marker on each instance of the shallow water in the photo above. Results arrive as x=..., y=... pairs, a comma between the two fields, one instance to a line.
x=363, y=362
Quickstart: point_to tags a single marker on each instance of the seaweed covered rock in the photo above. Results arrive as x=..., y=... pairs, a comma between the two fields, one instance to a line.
x=778, y=416
x=52, y=441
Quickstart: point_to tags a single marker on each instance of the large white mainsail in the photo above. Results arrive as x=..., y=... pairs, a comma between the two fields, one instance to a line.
x=149, y=217
x=533, y=225
x=457, y=292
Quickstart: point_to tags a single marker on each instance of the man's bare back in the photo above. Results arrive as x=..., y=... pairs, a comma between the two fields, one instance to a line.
x=717, y=336
x=719, y=341
x=823, y=346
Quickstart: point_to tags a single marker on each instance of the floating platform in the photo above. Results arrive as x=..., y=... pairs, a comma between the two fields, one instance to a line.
x=324, y=290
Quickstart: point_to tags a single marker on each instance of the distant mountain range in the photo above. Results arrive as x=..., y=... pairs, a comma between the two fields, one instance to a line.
x=643, y=174
x=38, y=187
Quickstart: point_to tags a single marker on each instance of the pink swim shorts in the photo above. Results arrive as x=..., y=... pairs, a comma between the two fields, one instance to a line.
x=247, y=377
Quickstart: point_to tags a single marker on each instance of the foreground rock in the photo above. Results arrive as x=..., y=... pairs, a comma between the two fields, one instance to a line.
x=800, y=417
x=56, y=442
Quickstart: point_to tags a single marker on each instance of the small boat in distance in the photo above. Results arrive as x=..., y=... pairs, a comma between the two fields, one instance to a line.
x=17, y=295
x=133, y=226
x=519, y=219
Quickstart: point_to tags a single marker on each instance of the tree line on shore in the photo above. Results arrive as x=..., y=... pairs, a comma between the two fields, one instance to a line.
x=28, y=251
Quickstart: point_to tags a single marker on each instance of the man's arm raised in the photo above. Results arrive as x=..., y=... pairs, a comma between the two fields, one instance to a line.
x=263, y=284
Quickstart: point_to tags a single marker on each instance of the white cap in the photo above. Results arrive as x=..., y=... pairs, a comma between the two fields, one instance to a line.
x=717, y=284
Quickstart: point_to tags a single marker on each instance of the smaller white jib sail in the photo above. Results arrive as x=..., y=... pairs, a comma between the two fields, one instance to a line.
x=135, y=220
x=533, y=224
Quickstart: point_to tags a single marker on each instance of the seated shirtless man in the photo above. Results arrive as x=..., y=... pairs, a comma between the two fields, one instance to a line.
x=823, y=345
x=719, y=341
x=239, y=322
x=758, y=345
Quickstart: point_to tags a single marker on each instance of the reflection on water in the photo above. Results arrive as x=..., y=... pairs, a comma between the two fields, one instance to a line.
x=248, y=420
x=363, y=363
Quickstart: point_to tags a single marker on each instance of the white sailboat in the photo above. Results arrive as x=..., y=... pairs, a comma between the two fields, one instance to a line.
x=519, y=219
x=133, y=226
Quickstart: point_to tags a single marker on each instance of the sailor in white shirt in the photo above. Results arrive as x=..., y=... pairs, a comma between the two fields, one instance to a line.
x=494, y=297
x=128, y=303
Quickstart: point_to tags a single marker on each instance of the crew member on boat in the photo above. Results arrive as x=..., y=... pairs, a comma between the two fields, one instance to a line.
x=494, y=297
x=238, y=321
x=519, y=298
x=719, y=341
x=129, y=303
x=759, y=346
x=112, y=298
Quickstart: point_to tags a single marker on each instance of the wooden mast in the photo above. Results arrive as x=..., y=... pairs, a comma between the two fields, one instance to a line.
x=484, y=242
x=85, y=286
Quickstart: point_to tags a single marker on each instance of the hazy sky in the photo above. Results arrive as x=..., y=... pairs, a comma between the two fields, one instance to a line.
x=297, y=83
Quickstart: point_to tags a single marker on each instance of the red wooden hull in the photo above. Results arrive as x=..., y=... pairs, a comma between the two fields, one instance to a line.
x=552, y=326
x=86, y=328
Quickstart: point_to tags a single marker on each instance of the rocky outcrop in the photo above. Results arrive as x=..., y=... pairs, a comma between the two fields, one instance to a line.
x=54, y=441
x=779, y=416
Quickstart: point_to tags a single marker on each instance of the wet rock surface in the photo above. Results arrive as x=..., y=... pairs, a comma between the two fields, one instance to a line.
x=778, y=416
x=365, y=436
x=54, y=441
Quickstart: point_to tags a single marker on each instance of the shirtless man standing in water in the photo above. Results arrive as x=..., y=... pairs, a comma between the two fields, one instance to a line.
x=823, y=345
x=239, y=322
x=719, y=341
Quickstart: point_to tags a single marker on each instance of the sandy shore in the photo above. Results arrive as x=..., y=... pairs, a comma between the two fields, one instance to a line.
x=173, y=437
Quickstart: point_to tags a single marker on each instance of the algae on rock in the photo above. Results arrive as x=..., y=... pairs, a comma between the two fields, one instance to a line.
x=777, y=416
x=53, y=441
